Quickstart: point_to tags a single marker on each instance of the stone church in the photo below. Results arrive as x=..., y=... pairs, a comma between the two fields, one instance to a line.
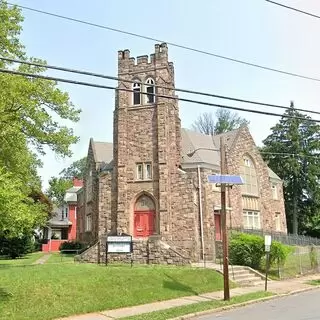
x=151, y=182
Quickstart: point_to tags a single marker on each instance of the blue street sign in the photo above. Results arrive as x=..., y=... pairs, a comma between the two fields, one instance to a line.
x=226, y=179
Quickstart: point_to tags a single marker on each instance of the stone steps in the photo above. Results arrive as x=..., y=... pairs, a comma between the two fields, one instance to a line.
x=243, y=276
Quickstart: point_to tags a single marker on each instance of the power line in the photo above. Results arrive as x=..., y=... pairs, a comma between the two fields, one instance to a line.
x=99, y=75
x=294, y=9
x=88, y=84
x=170, y=43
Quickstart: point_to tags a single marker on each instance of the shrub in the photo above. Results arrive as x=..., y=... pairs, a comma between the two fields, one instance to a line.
x=246, y=250
x=71, y=245
x=279, y=253
x=16, y=247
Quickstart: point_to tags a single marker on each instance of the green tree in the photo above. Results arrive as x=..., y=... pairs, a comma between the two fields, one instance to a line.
x=222, y=121
x=57, y=189
x=300, y=170
x=76, y=170
x=20, y=214
x=59, y=185
x=31, y=114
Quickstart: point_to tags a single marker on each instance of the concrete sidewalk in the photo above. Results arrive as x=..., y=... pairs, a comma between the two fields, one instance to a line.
x=277, y=287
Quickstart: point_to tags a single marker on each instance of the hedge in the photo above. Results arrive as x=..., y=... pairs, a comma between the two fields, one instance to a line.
x=248, y=250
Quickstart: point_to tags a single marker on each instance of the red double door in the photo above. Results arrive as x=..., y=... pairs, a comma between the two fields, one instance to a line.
x=144, y=223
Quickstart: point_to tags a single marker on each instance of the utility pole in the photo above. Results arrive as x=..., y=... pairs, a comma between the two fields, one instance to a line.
x=224, y=223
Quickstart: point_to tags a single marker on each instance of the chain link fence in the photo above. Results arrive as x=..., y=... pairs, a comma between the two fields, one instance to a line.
x=303, y=259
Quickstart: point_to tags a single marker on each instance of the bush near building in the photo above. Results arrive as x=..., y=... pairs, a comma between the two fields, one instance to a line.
x=249, y=250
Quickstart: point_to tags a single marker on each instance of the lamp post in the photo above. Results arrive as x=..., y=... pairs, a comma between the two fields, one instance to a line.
x=226, y=288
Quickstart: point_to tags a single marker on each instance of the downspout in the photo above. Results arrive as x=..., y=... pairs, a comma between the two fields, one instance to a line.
x=201, y=213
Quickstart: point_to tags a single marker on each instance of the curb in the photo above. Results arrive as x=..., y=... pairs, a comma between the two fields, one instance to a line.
x=243, y=304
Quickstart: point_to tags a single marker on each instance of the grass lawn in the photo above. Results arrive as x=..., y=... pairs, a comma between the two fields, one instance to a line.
x=314, y=282
x=26, y=260
x=197, y=307
x=49, y=291
x=295, y=265
x=56, y=257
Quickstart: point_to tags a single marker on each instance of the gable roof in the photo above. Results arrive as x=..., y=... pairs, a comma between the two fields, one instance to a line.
x=102, y=151
x=71, y=194
x=190, y=141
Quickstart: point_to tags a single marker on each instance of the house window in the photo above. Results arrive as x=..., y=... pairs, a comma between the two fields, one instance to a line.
x=150, y=89
x=249, y=175
x=274, y=192
x=144, y=171
x=277, y=221
x=136, y=93
x=251, y=220
x=148, y=171
x=88, y=222
x=139, y=171
x=56, y=234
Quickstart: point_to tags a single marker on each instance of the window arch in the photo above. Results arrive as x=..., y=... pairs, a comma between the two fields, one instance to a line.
x=136, y=94
x=249, y=175
x=144, y=217
x=144, y=203
x=150, y=90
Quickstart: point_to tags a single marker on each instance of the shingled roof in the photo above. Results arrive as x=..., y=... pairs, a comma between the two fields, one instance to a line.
x=103, y=151
x=191, y=140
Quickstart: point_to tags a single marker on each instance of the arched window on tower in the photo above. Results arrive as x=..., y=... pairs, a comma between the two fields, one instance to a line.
x=150, y=90
x=136, y=99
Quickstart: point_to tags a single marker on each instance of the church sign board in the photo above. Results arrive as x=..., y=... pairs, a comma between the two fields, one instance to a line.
x=119, y=243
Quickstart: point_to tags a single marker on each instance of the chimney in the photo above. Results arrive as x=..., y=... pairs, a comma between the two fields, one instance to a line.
x=77, y=182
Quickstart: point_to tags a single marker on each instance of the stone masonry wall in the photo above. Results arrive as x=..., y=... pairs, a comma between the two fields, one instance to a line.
x=152, y=251
x=145, y=133
x=244, y=145
x=90, y=199
x=185, y=229
x=105, y=203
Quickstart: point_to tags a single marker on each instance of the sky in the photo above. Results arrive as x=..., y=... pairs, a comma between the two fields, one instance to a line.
x=251, y=30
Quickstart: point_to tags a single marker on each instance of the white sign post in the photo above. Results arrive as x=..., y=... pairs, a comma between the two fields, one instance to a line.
x=267, y=244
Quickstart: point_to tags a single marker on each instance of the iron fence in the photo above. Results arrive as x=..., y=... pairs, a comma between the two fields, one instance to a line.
x=288, y=239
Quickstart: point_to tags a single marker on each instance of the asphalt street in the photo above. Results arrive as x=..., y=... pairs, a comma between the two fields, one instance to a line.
x=302, y=306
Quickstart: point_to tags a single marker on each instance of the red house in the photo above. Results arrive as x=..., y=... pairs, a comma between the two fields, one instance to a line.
x=62, y=226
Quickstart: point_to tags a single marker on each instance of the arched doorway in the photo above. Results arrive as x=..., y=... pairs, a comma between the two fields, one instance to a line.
x=144, y=217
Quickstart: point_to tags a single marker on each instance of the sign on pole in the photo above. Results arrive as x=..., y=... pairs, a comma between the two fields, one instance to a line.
x=267, y=244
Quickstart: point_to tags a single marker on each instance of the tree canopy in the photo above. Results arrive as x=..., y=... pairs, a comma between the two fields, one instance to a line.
x=222, y=121
x=292, y=151
x=59, y=185
x=31, y=115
